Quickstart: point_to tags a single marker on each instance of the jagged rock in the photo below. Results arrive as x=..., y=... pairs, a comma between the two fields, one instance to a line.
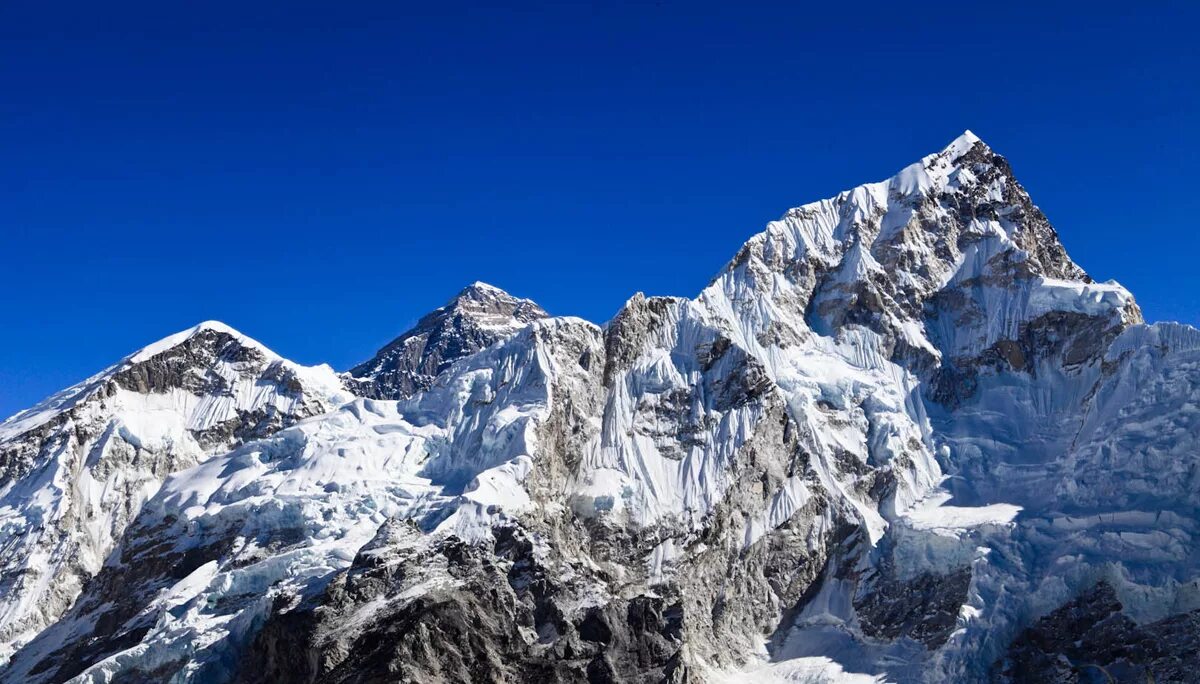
x=1090, y=639
x=924, y=608
x=476, y=318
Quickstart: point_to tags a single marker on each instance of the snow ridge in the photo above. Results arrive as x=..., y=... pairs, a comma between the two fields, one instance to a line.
x=899, y=432
x=76, y=469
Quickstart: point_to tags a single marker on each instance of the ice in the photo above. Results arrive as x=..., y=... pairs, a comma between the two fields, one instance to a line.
x=934, y=515
x=957, y=393
x=60, y=522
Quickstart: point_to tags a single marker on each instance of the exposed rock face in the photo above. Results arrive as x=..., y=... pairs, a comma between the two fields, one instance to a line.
x=923, y=608
x=475, y=319
x=76, y=470
x=492, y=616
x=892, y=439
x=592, y=598
x=1090, y=639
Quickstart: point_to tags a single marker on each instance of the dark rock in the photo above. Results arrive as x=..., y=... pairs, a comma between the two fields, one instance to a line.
x=475, y=319
x=1090, y=639
x=924, y=608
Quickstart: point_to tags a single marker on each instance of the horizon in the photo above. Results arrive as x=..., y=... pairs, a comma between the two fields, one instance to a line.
x=319, y=189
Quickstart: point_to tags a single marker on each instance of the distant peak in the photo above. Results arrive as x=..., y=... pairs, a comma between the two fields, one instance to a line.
x=483, y=303
x=479, y=315
x=480, y=288
x=480, y=293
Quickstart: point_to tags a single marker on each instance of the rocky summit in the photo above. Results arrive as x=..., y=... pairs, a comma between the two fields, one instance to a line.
x=900, y=437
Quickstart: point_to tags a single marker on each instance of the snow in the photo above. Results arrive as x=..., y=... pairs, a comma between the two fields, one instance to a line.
x=961, y=145
x=799, y=670
x=1040, y=480
x=661, y=561
x=934, y=515
x=179, y=338
x=1093, y=299
x=63, y=519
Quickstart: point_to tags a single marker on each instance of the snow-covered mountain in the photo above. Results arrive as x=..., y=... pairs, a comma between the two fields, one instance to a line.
x=476, y=318
x=76, y=469
x=901, y=436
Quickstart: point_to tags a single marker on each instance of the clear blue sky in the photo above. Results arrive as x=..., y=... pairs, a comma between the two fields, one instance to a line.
x=320, y=174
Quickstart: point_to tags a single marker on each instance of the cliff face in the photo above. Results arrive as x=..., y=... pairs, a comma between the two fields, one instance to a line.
x=900, y=436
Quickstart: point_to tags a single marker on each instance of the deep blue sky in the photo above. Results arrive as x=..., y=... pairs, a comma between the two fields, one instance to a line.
x=320, y=174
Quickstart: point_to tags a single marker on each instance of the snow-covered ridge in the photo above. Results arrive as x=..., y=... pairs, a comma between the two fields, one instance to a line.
x=182, y=336
x=900, y=427
x=47, y=409
x=76, y=468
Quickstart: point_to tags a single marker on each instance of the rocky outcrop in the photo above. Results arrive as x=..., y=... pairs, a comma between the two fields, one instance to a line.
x=923, y=608
x=476, y=318
x=492, y=614
x=1090, y=639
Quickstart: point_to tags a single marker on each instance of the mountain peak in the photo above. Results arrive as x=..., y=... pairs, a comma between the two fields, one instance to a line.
x=183, y=336
x=479, y=293
x=51, y=406
x=964, y=141
x=480, y=287
x=882, y=255
x=197, y=351
x=475, y=318
x=488, y=305
x=961, y=145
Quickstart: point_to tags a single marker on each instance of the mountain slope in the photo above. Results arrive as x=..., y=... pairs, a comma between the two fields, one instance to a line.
x=896, y=438
x=76, y=469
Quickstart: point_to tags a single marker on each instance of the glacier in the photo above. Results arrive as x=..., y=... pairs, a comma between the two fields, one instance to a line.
x=900, y=437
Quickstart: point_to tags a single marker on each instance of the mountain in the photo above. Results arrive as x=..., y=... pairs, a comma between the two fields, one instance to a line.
x=77, y=468
x=476, y=318
x=901, y=436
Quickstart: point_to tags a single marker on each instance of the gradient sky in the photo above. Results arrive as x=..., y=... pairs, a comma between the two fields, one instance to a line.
x=318, y=175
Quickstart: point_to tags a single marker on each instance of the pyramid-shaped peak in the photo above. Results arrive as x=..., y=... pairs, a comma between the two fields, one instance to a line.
x=481, y=291
x=908, y=235
x=967, y=137
x=478, y=316
x=481, y=299
x=485, y=288
x=182, y=337
x=961, y=145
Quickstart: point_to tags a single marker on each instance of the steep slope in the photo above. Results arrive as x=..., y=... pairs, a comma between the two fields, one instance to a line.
x=963, y=284
x=901, y=436
x=210, y=554
x=76, y=469
x=476, y=318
